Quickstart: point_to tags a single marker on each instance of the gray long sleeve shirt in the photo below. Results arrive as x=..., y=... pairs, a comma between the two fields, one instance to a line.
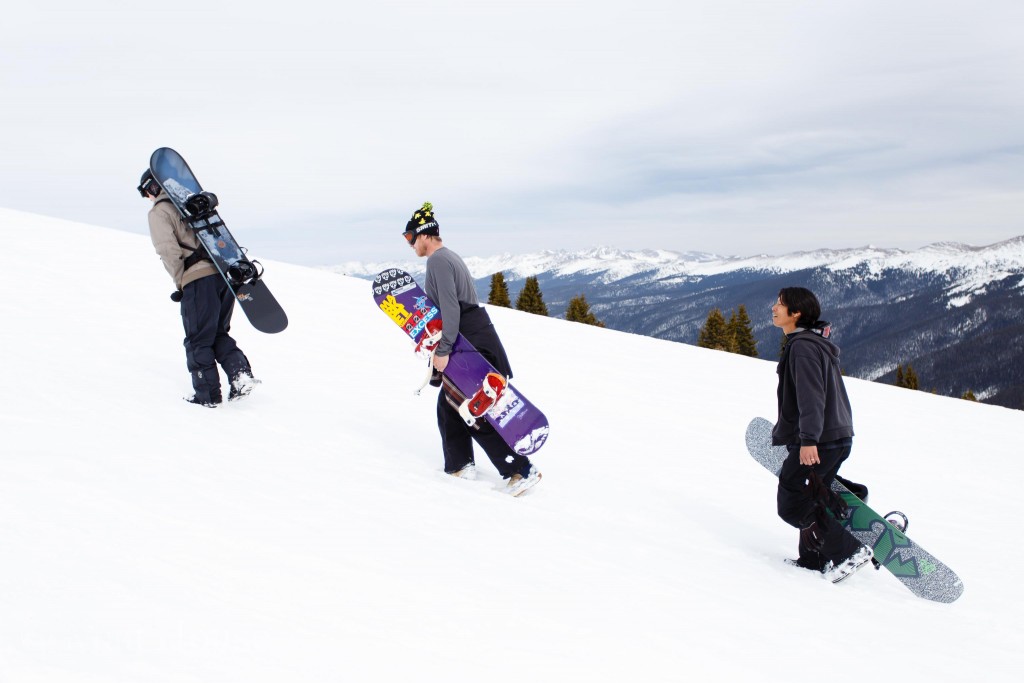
x=450, y=285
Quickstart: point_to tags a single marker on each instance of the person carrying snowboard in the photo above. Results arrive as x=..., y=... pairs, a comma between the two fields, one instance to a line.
x=449, y=284
x=205, y=298
x=815, y=423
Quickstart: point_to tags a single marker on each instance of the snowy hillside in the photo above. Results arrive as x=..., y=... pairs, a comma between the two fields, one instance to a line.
x=308, y=533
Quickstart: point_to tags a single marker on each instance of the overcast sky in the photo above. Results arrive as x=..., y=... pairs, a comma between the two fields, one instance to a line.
x=733, y=127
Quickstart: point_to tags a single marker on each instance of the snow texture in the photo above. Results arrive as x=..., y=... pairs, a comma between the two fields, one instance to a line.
x=308, y=533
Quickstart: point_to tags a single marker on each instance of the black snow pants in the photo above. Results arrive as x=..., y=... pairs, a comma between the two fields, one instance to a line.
x=457, y=442
x=799, y=507
x=456, y=436
x=206, y=307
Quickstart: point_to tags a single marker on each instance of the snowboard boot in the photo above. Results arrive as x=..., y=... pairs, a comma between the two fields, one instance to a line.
x=518, y=484
x=242, y=385
x=842, y=570
x=467, y=472
x=206, y=384
x=205, y=401
x=800, y=563
x=859, y=490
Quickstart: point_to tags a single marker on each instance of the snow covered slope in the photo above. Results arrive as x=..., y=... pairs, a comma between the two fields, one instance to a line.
x=308, y=533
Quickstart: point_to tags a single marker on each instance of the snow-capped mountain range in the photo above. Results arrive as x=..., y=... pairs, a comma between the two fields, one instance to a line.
x=610, y=265
x=955, y=312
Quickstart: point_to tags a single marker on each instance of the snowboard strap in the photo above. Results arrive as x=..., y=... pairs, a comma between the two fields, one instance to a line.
x=452, y=391
x=455, y=398
x=430, y=372
x=196, y=256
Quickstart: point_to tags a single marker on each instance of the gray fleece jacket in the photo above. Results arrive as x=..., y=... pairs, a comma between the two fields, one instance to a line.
x=813, y=405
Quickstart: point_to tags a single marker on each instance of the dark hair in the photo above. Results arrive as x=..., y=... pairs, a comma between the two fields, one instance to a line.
x=801, y=300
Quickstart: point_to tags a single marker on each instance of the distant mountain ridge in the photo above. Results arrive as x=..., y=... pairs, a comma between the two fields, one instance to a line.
x=953, y=311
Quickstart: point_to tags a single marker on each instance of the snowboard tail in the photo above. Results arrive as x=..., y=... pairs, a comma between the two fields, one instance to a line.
x=917, y=569
x=260, y=307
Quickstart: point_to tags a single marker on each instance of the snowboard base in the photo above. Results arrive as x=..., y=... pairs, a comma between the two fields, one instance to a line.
x=261, y=308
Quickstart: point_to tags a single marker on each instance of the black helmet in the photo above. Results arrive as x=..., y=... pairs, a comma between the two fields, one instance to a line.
x=148, y=185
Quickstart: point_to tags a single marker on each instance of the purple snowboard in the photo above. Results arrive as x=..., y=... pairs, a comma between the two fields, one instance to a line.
x=523, y=427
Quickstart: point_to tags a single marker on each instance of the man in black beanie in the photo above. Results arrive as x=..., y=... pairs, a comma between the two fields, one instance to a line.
x=449, y=284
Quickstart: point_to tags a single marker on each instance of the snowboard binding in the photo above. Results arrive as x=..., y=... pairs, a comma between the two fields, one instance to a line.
x=487, y=397
x=244, y=271
x=201, y=204
x=900, y=522
x=431, y=336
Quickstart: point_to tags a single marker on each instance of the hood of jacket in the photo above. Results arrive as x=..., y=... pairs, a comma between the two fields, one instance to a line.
x=816, y=335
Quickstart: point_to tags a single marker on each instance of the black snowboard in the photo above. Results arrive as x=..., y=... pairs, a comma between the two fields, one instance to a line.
x=199, y=210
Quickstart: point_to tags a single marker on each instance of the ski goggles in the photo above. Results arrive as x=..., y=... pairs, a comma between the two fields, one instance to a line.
x=147, y=187
x=411, y=235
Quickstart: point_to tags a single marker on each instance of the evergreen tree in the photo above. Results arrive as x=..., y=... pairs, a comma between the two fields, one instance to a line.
x=906, y=377
x=742, y=334
x=714, y=334
x=530, y=298
x=499, y=292
x=969, y=396
x=579, y=312
x=910, y=377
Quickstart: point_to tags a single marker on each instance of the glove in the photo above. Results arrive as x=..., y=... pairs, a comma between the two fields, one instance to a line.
x=176, y=296
x=812, y=537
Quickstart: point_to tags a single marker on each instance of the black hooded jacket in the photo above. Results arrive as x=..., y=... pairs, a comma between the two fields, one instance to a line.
x=813, y=405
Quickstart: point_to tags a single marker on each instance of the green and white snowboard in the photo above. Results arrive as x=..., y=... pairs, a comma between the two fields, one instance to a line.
x=915, y=567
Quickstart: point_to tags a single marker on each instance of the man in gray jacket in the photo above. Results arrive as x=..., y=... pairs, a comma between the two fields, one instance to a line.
x=449, y=284
x=206, y=302
x=815, y=423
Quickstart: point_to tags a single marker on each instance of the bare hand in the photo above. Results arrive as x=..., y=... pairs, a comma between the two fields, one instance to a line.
x=440, y=363
x=809, y=455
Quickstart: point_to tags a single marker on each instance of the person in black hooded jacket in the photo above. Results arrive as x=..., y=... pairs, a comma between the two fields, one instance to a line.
x=815, y=423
